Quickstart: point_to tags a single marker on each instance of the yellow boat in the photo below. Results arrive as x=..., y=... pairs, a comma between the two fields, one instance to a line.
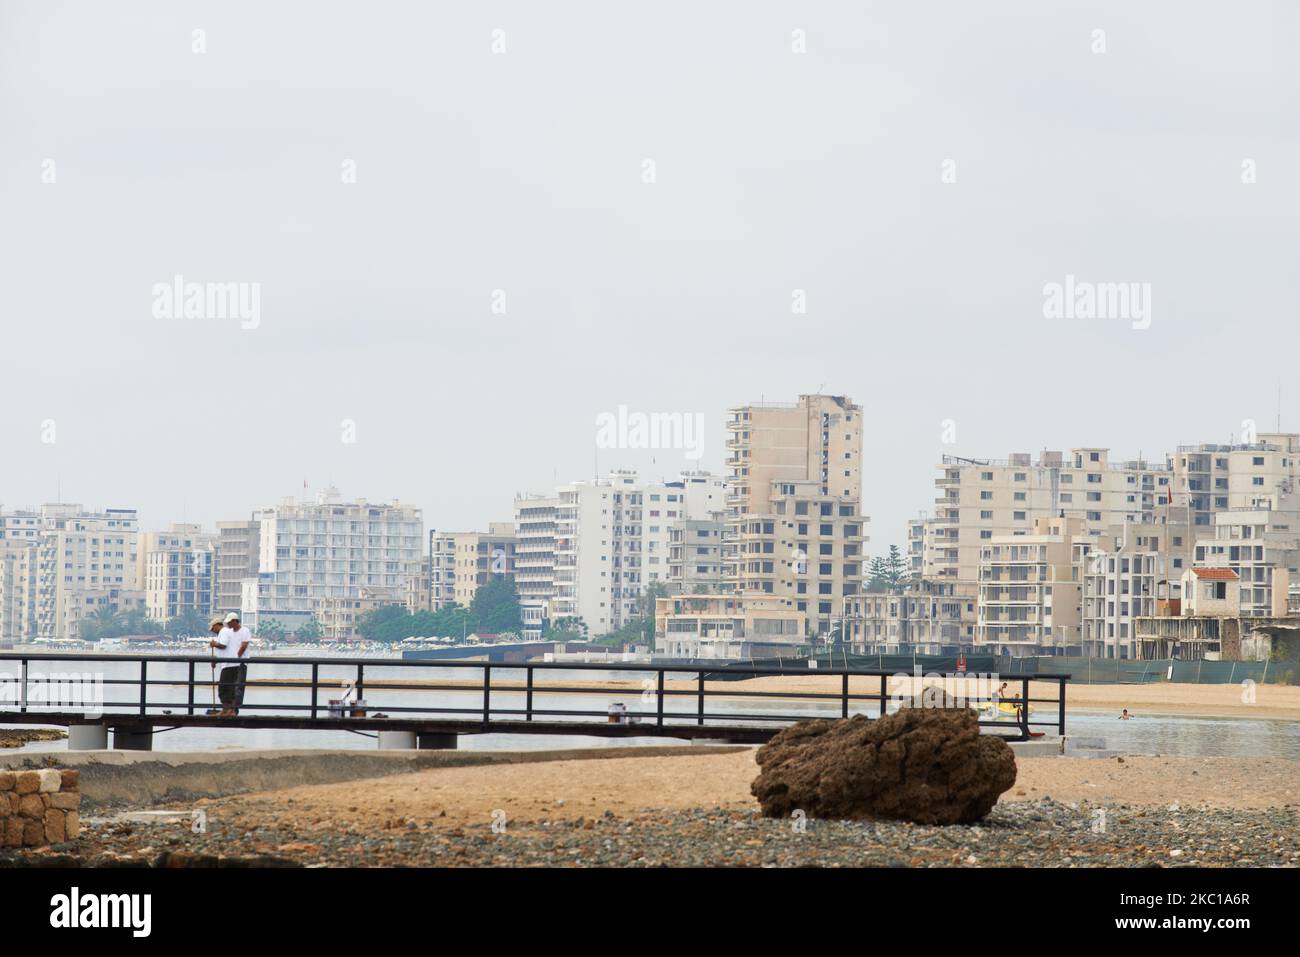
x=1011, y=709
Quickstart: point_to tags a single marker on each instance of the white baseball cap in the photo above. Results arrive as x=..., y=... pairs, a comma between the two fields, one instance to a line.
x=233, y=616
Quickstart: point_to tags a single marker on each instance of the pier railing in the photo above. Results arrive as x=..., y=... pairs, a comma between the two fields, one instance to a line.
x=496, y=696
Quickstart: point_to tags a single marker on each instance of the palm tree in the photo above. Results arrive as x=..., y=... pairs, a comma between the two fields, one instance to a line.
x=104, y=622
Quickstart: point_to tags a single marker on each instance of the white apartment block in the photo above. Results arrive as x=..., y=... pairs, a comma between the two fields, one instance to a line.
x=535, y=524
x=795, y=532
x=593, y=549
x=316, y=552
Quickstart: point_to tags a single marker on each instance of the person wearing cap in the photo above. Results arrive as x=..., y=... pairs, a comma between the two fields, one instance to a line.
x=232, y=648
x=214, y=628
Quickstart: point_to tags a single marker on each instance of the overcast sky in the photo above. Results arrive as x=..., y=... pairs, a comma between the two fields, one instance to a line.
x=524, y=171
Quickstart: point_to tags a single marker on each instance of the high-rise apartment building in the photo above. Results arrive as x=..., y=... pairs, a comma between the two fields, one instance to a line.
x=984, y=499
x=594, y=549
x=460, y=563
x=1028, y=590
x=86, y=565
x=238, y=549
x=795, y=532
x=1262, y=545
x=328, y=549
x=1214, y=478
x=176, y=568
x=1125, y=573
x=695, y=555
x=535, y=518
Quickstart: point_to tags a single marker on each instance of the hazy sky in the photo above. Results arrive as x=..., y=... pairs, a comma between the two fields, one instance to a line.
x=523, y=171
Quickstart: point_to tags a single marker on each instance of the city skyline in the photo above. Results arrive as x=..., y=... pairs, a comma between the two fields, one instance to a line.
x=868, y=203
x=153, y=519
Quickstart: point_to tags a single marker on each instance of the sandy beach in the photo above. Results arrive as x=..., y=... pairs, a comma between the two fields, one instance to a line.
x=696, y=810
x=565, y=789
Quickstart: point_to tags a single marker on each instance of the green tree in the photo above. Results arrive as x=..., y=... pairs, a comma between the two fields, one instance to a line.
x=896, y=570
x=189, y=624
x=309, y=630
x=103, y=622
x=272, y=629
x=378, y=624
x=889, y=573
x=495, y=607
x=641, y=629
x=565, y=629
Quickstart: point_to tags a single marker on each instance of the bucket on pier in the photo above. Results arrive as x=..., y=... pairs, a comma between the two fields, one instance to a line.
x=343, y=708
x=618, y=713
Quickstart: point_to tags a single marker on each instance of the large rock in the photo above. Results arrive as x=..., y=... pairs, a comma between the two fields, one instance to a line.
x=929, y=765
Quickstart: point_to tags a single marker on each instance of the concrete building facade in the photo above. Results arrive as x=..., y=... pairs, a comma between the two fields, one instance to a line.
x=329, y=549
x=795, y=532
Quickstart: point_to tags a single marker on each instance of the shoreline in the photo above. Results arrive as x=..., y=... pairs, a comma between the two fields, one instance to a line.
x=695, y=809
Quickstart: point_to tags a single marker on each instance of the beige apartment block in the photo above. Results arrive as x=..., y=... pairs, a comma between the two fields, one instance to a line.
x=339, y=617
x=726, y=626
x=926, y=616
x=418, y=593
x=17, y=589
x=1215, y=478
x=1028, y=590
x=463, y=562
x=921, y=552
x=86, y=561
x=1127, y=572
x=795, y=533
x=237, y=554
x=817, y=439
x=984, y=499
x=176, y=572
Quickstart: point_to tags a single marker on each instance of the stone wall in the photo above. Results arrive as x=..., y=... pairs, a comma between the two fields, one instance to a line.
x=39, y=807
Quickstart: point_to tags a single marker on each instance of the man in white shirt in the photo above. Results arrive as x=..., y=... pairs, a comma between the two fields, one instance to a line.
x=232, y=648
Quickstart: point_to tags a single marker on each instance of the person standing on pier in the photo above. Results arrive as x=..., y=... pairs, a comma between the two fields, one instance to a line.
x=232, y=649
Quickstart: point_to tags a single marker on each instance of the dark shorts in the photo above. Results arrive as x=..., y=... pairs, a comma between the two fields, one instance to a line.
x=230, y=688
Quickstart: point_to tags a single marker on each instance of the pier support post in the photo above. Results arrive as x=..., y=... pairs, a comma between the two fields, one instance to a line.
x=435, y=740
x=87, y=737
x=396, y=740
x=132, y=739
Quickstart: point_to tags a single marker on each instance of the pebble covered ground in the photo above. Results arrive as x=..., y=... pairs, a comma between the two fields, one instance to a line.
x=1037, y=833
